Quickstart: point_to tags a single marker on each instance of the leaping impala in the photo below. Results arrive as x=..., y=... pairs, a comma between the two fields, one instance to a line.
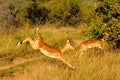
x=92, y=44
x=47, y=49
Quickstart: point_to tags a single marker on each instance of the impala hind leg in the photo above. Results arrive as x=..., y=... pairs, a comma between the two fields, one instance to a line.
x=68, y=64
x=102, y=50
x=80, y=52
x=76, y=53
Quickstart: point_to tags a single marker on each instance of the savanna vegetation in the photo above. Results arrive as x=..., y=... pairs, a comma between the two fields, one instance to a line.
x=58, y=21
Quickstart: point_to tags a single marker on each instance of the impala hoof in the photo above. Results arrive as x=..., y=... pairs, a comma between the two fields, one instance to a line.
x=73, y=67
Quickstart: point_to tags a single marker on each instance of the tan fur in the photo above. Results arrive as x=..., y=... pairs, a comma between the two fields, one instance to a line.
x=46, y=49
x=92, y=44
x=66, y=47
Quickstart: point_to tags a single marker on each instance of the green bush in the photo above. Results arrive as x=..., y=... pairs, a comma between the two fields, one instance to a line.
x=107, y=20
x=12, y=12
x=60, y=12
x=65, y=12
x=6, y=16
x=37, y=12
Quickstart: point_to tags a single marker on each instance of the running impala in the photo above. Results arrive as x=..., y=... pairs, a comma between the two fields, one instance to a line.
x=92, y=44
x=47, y=50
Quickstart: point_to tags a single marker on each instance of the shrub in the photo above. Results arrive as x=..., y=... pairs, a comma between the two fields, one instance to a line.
x=60, y=12
x=12, y=12
x=65, y=12
x=107, y=20
x=5, y=14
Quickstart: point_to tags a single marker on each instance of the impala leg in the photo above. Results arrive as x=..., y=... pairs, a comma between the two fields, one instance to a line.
x=81, y=53
x=68, y=64
x=76, y=53
x=102, y=50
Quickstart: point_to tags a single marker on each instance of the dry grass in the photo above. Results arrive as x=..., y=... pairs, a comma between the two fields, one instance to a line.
x=91, y=66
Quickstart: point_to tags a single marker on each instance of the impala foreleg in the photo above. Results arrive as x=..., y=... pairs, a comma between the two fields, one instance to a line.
x=68, y=64
x=76, y=53
x=102, y=49
x=80, y=52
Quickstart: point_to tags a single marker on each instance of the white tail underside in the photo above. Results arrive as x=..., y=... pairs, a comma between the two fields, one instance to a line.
x=45, y=52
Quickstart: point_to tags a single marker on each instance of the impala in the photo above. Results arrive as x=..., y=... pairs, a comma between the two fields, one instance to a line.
x=47, y=49
x=92, y=44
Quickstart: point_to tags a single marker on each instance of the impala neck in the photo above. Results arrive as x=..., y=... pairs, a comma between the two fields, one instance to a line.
x=66, y=47
x=63, y=49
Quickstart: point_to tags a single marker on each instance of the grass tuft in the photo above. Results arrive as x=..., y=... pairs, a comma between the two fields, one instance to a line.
x=93, y=65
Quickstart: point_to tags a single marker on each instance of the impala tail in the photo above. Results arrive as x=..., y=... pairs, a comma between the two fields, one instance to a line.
x=37, y=32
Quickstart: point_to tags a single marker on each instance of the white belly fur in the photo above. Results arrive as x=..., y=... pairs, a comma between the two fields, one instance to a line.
x=45, y=52
x=94, y=46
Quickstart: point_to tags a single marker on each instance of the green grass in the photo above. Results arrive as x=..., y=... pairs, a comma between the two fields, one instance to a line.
x=91, y=66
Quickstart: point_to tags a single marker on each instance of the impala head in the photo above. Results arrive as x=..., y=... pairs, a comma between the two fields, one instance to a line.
x=69, y=46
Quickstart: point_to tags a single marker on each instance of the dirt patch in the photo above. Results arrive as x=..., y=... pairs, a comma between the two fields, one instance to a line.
x=16, y=62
